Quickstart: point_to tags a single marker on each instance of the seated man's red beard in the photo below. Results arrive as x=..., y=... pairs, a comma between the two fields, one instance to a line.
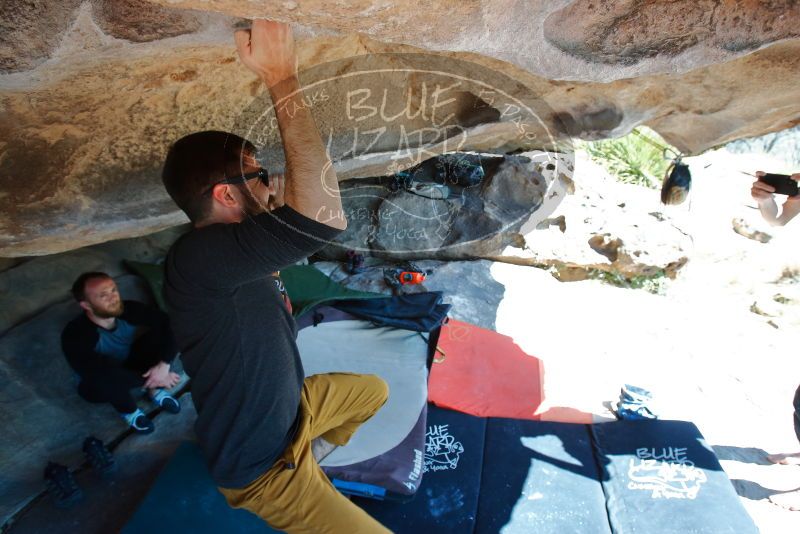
x=108, y=312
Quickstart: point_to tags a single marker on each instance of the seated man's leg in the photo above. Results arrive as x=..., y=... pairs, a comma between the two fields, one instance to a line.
x=302, y=500
x=112, y=387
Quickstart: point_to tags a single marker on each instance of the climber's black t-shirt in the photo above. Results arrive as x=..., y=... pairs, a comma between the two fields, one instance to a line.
x=237, y=338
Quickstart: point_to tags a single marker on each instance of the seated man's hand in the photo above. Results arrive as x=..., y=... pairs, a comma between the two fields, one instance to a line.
x=762, y=191
x=159, y=376
x=267, y=49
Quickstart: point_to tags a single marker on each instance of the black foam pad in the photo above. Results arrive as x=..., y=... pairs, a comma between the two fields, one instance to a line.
x=662, y=477
x=447, y=499
x=540, y=477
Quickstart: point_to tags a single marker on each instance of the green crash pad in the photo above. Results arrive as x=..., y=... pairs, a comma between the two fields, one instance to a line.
x=307, y=286
x=153, y=274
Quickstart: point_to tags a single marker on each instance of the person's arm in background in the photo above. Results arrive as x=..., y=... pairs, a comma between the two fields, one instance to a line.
x=763, y=195
x=311, y=188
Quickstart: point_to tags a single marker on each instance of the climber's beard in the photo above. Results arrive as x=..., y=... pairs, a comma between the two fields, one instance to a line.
x=107, y=312
x=252, y=204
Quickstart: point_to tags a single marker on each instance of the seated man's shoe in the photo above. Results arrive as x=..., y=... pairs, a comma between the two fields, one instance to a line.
x=99, y=457
x=139, y=422
x=61, y=485
x=166, y=401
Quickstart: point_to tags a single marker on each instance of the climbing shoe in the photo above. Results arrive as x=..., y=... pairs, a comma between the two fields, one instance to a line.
x=139, y=421
x=635, y=404
x=61, y=485
x=166, y=401
x=465, y=170
x=98, y=456
x=628, y=412
x=634, y=394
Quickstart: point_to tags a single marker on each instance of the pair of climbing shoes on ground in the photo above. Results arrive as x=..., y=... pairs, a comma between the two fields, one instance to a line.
x=635, y=404
x=60, y=481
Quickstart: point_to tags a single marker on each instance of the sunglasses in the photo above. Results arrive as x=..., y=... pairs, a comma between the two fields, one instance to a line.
x=261, y=174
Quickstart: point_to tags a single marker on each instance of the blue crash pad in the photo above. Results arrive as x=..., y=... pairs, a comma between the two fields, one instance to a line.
x=661, y=476
x=447, y=499
x=185, y=499
x=510, y=476
x=544, y=478
x=557, y=477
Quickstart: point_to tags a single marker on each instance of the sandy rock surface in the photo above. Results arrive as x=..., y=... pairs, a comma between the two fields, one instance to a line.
x=92, y=93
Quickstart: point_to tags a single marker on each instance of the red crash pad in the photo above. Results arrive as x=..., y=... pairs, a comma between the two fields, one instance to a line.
x=483, y=373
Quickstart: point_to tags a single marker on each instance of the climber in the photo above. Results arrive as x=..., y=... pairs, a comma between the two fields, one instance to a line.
x=257, y=413
x=116, y=346
x=764, y=195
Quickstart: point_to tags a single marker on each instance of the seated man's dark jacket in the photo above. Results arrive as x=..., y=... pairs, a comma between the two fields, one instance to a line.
x=79, y=339
x=237, y=338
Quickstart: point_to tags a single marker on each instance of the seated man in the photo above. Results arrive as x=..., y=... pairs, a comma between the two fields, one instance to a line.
x=116, y=346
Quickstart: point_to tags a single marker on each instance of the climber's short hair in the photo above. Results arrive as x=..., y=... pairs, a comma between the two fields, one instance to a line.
x=197, y=161
x=79, y=286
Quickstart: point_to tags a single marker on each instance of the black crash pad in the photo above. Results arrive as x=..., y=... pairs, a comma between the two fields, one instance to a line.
x=514, y=476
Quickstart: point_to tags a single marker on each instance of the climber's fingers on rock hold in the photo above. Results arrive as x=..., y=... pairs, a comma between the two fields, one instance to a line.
x=267, y=49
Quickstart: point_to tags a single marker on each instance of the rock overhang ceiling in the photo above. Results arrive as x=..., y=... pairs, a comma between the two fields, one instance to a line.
x=93, y=92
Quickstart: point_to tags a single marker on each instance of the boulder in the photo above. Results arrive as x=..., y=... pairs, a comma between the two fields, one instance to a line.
x=439, y=218
x=783, y=145
x=92, y=93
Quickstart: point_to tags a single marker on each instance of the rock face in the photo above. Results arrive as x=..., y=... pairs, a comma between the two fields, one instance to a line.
x=627, y=32
x=783, y=145
x=528, y=210
x=92, y=93
x=455, y=206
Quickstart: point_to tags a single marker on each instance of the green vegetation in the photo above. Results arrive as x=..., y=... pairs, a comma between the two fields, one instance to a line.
x=655, y=283
x=634, y=159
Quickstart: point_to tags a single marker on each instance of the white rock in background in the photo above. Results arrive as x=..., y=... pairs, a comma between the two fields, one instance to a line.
x=608, y=226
